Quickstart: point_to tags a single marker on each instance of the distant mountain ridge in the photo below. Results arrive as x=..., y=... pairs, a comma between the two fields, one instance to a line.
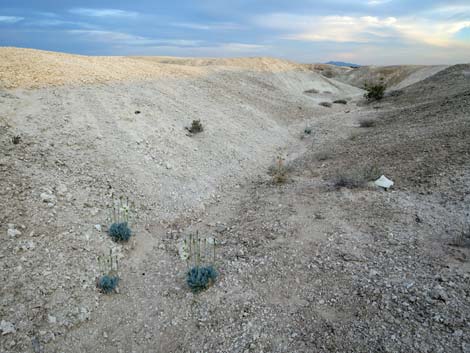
x=342, y=64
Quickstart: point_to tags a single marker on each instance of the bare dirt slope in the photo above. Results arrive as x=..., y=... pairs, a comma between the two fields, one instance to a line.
x=394, y=77
x=79, y=143
x=304, y=266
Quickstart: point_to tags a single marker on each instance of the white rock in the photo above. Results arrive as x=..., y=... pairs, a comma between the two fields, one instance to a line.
x=62, y=190
x=51, y=319
x=384, y=182
x=13, y=232
x=7, y=327
x=49, y=198
x=98, y=227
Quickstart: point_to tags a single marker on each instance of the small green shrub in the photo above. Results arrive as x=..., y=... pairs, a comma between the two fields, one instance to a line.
x=16, y=139
x=340, y=101
x=196, y=127
x=366, y=123
x=307, y=130
x=121, y=211
x=199, y=278
x=107, y=283
x=108, y=280
x=374, y=91
x=325, y=104
x=199, y=254
x=120, y=231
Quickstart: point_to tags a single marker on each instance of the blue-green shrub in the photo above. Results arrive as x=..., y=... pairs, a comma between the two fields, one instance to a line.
x=107, y=283
x=200, y=277
x=120, y=231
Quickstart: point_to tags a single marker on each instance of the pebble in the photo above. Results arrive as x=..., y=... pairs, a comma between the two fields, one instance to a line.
x=7, y=327
x=12, y=233
x=52, y=319
x=61, y=190
x=49, y=198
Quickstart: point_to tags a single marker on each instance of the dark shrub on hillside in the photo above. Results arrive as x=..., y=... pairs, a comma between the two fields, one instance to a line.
x=374, y=92
x=367, y=123
x=196, y=126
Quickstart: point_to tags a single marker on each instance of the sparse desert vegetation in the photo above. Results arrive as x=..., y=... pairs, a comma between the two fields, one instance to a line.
x=214, y=253
x=326, y=104
x=356, y=177
x=196, y=127
x=279, y=170
x=366, y=123
x=374, y=92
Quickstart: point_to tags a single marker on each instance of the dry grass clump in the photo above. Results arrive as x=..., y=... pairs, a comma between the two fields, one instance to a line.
x=323, y=156
x=279, y=171
x=367, y=123
x=348, y=181
x=196, y=127
x=463, y=237
x=311, y=91
x=355, y=179
x=325, y=104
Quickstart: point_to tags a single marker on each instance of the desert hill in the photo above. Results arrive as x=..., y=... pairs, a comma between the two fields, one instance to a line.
x=324, y=261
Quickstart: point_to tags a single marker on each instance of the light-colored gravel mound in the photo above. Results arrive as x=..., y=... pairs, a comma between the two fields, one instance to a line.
x=29, y=68
x=394, y=77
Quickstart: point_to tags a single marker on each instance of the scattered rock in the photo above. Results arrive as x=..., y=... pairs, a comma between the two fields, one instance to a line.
x=7, y=327
x=61, y=190
x=438, y=293
x=52, y=319
x=48, y=198
x=384, y=182
x=12, y=233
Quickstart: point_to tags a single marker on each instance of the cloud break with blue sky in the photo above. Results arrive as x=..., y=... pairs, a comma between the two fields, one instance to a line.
x=378, y=32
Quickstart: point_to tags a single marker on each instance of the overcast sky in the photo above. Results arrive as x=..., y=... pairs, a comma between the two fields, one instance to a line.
x=360, y=31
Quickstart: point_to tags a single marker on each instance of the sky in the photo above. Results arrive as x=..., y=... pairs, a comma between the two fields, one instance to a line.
x=367, y=32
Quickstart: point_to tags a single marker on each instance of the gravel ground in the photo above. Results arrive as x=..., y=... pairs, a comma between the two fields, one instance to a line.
x=303, y=266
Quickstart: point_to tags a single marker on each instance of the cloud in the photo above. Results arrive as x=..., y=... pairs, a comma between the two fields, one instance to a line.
x=449, y=12
x=209, y=26
x=364, y=29
x=121, y=38
x=204, y=50
x=330, y=28
x=131, y=44
x=242, y=47
x=10, y=19
x=55, y=22
x=377, y=2
x=102, y=12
